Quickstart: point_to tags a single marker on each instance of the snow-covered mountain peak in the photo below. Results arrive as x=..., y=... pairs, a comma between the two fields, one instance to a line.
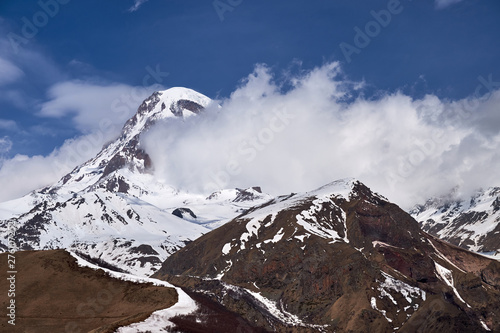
x=342, y=187
x=170, y=103
x=323, y=246
x=345, y=188
x=472, y=223
x=126, y=151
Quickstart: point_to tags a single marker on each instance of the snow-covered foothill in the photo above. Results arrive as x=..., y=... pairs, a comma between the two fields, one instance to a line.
x=159, y=320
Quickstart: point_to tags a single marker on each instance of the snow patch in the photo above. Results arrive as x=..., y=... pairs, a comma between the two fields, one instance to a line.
x=484, y=325
x=252, y=227
x=279, y=312
x=276, y=237
x=409, y=293
x=373, y=303
x=442, y=256
x=447, y=277
x=375, y=243
x=226, y=248
x=301, y=237
x=160, y=320
x=308, y=220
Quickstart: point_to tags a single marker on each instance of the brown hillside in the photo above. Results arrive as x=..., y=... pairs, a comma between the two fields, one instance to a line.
x=54, y=294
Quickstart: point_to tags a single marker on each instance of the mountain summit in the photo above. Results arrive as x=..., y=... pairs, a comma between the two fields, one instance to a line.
x=125, y=152
x=113, y=209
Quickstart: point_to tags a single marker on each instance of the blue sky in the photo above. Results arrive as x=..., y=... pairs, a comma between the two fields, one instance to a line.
x=65, y=62
x=422, y=50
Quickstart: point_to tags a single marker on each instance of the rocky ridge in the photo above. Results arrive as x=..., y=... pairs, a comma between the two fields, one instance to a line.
x=340, y=258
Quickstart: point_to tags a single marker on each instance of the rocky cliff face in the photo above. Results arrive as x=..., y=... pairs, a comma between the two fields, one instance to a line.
x=340, y=258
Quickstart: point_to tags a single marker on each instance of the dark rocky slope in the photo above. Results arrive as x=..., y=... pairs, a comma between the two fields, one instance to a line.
x=339, y=259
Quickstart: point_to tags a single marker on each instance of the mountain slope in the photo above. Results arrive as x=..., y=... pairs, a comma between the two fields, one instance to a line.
x=340, y=258
x=54, y=294
x=112, y=207
x=473, y=224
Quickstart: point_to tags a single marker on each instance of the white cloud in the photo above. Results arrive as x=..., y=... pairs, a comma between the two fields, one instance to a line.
x=136, y=5
x=94, y=107
x=22, y=174
x=9, y=72
x=288, y=140
x=441, y=4
x=307, y=136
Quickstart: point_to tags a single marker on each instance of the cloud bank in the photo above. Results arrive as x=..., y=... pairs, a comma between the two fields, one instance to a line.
x=299, y=138
x=286, y=134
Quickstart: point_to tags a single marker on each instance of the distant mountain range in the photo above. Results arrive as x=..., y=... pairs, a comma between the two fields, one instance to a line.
x=473, y=224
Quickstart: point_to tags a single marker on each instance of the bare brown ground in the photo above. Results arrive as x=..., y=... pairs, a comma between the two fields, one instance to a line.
x=53, y=294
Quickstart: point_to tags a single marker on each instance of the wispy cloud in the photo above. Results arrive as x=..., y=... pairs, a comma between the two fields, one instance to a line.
x=137, y=4
x=441, y=4
x=9, y=72
x=16, y=174
x=8, y=125
x=21, y=71
x=88, y=104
